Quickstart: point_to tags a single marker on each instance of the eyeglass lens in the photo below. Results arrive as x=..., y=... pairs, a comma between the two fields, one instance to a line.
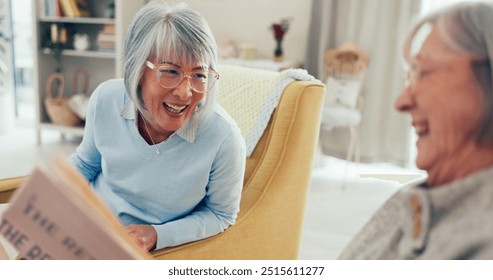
x=411, y=77
x=200, y=81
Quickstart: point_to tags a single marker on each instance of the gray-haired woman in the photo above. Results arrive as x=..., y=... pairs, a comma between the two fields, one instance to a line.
x=157, y=148
x=449, y=96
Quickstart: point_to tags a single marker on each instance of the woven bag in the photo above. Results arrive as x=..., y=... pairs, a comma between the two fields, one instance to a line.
x=57, y=107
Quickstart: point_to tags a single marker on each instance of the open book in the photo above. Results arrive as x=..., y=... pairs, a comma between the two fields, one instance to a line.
x=56, y=214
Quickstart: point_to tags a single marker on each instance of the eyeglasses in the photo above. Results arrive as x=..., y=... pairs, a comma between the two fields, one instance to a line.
x=418, y=71
x=169, y=76
x=411, y=77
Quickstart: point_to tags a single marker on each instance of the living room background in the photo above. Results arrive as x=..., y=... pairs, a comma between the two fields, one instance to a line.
x=237, y=20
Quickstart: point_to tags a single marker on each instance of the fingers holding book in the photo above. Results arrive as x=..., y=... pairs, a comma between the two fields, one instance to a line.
x=144, y=235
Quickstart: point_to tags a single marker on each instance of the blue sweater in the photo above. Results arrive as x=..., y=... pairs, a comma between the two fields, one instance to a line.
x=190, y=191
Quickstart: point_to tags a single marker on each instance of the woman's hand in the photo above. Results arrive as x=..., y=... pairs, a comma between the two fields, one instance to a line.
x=145, y=235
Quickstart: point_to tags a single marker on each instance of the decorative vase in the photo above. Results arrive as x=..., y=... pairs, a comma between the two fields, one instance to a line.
x=278, y=55
x=81, y=42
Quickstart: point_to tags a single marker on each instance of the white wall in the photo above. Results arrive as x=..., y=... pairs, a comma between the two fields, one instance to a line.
x=249, y=21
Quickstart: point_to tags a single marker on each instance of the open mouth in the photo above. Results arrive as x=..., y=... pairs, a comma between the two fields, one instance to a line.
x=421, y=129
x=173, y=108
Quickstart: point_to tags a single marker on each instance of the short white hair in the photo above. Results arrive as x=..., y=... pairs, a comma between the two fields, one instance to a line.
x=163, y=30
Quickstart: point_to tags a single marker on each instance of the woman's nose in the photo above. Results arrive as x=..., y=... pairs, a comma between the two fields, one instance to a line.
x=183, y=90
x=404, y=101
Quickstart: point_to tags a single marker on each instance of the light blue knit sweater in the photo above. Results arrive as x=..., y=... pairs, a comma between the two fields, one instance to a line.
x=190, y=191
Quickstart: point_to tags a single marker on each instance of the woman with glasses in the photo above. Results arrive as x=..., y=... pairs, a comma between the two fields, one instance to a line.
x=157, y=148
x=449, y=97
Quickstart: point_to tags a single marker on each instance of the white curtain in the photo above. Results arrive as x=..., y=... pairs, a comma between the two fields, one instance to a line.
x=378, y=28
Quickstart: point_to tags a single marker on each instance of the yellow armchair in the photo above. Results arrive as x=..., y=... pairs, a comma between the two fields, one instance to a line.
x=7, y=188
x=277, y=178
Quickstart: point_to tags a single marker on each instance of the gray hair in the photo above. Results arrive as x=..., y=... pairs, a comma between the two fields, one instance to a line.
x=467, y=28
x=161, y=30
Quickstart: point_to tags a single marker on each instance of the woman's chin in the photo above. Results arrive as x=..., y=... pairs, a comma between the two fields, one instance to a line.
x=423, y=160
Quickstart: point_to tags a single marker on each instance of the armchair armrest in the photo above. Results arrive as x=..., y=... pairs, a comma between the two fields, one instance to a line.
x=8, y=186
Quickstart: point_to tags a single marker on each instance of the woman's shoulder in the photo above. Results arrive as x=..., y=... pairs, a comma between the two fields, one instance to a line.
x=109, y=92
x=223, y=120
x=225, y=126
x=113, y=88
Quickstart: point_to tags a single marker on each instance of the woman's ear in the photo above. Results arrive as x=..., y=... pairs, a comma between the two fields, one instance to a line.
x=200, y=105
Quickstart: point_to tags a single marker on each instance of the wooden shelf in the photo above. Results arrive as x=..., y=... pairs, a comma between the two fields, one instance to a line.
x=78, y=20
x=101, y=65
x=93, y=54
x=72, y=130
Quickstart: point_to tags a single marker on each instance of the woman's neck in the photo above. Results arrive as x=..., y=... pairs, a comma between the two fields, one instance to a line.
x=469, y=160
x=147, y=131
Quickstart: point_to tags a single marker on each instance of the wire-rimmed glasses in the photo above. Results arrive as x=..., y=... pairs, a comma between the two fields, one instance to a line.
x=169, y=76
x=411, y=76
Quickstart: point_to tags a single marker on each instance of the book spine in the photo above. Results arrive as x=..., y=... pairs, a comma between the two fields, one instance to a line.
x=75, y=9
x=42, y=8
x=48, y=8
x=58, y=9
x=67, y=8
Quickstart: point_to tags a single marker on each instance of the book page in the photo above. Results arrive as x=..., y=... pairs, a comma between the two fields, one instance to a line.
x=56, y=215
x=79, y=184
x=7, y=251
x=3, y=252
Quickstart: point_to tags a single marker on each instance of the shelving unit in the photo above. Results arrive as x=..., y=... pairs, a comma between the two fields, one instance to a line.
x=102, y=65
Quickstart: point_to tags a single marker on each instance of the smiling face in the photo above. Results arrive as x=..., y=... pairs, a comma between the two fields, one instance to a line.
x=444, y=102
x=169, y=108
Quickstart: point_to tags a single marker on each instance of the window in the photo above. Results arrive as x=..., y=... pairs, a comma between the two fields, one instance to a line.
x=23, y=61
x=428, y=6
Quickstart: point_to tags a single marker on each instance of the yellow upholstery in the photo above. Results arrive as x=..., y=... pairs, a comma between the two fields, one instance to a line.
x=7, y=188
x=276, y=182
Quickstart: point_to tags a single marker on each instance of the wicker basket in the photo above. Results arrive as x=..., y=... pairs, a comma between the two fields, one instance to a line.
x=57, y=107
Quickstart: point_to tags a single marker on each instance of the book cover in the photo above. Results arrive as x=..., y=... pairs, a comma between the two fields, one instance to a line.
x=55, y=214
